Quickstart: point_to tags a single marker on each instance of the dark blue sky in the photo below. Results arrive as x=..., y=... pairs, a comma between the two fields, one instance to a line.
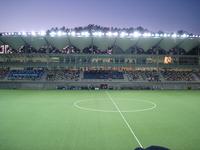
x=155, y=15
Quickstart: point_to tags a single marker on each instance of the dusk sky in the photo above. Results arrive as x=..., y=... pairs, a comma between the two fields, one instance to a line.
x=155, y=15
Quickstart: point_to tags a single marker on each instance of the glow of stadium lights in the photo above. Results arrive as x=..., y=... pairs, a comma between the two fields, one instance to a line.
x=64, y=33
x=123, y=34
x=42, y=33
x=152, y=35
x=146, y=35
x=52, y=34
x=165, y=35
x=115, y=34
x=33, y=33
x=85, y=33
x=19, y=33
x=73, y=33
x=184, y=36
x=161, y=35
x=174, y=35
x=98, y=33
x=135, y=34
x=157, y=35
x=109, y=34
x=59, y=33
x=24, y=33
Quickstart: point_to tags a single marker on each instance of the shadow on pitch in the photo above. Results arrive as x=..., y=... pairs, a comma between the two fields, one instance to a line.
x=153, y=148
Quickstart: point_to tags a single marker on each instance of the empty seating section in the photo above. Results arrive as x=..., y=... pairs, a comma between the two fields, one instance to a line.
x=56, y=75
x=25, y=74
x=3, y=73
x=177, y=75
x=133, y=75
x=96, y=74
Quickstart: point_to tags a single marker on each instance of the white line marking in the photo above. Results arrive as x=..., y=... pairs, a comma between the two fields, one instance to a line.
x=116, y=106
x=77, y=105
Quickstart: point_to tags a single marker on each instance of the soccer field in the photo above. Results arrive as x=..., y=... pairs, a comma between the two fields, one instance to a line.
x=99, y=120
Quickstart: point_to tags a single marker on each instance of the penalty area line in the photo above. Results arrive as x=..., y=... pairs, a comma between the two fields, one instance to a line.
x=124, y=119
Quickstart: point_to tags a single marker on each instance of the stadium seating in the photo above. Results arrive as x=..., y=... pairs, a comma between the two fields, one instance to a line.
x=171, y=75
x=25, y=74
x=99, y=74
x=3, y=73
x=56, y=75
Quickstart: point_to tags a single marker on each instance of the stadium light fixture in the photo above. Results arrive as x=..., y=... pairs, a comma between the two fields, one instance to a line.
x=85, y=34
x=165, y=35
x=19, y=33
x=184, y=35
x=42, y=33
x=59, y=33
x=115, y=34
x=123, y=34
x=73, y=33
x=174, y=35
x=135, y=34
x=33, y=33
x=52, y=34
x=146, y=34
x=157, y=35
x=24, y=33
x=99, y=33
x=109, y=34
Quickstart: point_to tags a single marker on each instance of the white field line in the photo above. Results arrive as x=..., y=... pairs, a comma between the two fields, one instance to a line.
x=126, y=122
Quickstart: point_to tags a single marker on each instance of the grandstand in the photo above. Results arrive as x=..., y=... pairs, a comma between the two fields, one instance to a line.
x=87, y=58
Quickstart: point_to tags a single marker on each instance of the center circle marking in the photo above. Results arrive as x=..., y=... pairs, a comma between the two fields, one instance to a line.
x=77, y=105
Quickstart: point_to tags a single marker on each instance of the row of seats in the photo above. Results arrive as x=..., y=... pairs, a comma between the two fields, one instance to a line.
x=138, y=75
x=96, y=74
x=25, y=74
x=55, y=75
x=178, y=75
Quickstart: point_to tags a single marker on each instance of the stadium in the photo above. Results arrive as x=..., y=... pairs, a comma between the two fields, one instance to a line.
x=99, y=88
x=101, y=59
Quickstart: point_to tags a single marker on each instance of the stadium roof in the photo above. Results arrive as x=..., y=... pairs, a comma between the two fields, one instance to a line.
x=103, y=41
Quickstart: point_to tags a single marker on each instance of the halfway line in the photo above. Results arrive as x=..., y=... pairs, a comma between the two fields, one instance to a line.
x=116, y=106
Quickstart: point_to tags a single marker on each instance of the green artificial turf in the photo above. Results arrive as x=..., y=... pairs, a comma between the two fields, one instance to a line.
x=49, y=120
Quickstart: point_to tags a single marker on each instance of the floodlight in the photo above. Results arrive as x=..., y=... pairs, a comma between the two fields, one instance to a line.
x=24, y=33
x=59, y=33
x=109, y=33
x=157, y=35
x=115, y=34
x=174, y=35
x=99, y=33
x=33, y=33
x=135, y=34
x=123, y=34
x=184, y=35
x=73, y=33
x=161, y=35
x=165, y=35
x=52, y=34
x=146, y=35
x=42, y=33
x=64, y=33
x=85, y=33
x=19, y=33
